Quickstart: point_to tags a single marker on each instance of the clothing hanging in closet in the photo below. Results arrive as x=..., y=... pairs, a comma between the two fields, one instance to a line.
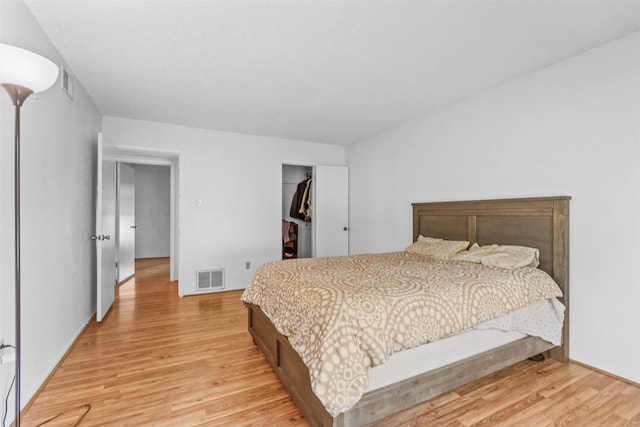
x=301, y=201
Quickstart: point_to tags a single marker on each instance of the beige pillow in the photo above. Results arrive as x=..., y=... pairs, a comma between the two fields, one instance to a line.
x=442, y=249
x=503, y=256
x=474, y=254
x=422, y=238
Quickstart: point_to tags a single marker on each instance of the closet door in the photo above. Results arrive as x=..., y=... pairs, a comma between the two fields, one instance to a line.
x=330, y=198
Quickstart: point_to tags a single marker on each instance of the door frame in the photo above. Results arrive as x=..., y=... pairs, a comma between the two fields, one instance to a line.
x=160, y=157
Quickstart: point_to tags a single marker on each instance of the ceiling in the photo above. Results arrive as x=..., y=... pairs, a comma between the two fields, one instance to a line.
x=326, y=71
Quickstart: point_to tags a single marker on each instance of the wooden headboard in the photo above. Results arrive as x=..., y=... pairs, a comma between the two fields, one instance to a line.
x=541, y=222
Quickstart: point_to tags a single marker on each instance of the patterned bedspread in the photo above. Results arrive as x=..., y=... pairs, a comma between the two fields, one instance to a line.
x=344, y=315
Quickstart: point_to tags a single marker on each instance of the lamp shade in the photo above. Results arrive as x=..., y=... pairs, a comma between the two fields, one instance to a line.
x=27, y=69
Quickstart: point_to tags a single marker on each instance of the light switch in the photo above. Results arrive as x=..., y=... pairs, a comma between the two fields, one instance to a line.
x=199, y=203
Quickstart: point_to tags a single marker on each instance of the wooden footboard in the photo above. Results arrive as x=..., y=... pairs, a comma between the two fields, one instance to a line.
x=388, y=400
x=288, y=366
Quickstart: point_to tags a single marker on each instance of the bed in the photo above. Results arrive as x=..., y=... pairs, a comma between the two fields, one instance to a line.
x=534, y=222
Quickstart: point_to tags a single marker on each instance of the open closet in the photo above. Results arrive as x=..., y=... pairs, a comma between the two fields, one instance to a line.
x=297, y=211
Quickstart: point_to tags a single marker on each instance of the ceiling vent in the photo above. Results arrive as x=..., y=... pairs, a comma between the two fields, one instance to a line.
x=209, y=280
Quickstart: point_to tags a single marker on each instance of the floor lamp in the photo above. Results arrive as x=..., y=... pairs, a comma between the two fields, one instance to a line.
x=22, y=73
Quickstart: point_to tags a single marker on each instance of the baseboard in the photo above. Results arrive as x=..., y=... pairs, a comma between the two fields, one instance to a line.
x=57, y=366
x=609, y=374
x=122, y=282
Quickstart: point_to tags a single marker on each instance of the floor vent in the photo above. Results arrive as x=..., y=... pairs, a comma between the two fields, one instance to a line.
x=209, y=280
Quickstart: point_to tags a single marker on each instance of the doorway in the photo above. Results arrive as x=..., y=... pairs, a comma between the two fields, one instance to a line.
x=297, y=231
x=108, y=156
x=135, y=156
x=323, y=230
x=143, y=215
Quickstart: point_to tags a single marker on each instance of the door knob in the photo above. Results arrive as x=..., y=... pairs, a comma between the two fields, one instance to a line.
x=345, y=228
x=101, y=237
x=133, y=226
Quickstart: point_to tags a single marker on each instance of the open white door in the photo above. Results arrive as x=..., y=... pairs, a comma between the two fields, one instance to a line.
x=105, y=232
x=126, y=244
x=330, y=199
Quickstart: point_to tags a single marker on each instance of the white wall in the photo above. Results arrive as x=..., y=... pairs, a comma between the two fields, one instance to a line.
x=58, y=138
x=239, y=179
x=569, y=129
x=153, y=183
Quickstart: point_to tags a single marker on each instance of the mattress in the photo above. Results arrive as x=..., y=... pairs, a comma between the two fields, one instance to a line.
x=543, y=319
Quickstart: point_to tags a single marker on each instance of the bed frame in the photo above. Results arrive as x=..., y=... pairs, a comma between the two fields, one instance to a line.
x=542, y=223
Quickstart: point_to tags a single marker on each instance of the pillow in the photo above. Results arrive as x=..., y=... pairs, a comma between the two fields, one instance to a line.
x=513, y=257
x=474, y=254
x=503, y=256
x=441, y=249
x=428, y=239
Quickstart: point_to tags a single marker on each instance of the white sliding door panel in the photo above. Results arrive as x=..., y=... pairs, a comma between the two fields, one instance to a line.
x=330, y=198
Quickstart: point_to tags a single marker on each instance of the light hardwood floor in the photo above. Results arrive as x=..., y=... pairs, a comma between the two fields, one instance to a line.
x=160, y=360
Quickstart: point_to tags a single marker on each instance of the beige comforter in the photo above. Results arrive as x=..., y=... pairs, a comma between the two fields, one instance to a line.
x=344, y=315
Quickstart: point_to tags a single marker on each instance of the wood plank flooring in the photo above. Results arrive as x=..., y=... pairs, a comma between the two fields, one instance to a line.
x=160, y=360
